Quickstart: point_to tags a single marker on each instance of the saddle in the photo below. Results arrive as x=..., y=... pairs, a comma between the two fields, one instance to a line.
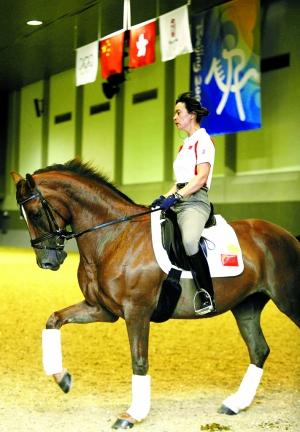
x=172, y=242
x=172, y=239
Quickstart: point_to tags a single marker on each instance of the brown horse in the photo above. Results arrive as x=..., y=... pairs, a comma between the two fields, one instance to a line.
x=119, y=276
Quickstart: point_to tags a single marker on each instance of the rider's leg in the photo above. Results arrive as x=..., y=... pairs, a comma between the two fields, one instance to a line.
x=192, y=216
x=203, y=282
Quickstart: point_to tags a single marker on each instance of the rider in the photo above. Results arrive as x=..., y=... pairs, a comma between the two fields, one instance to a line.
x=188, y=197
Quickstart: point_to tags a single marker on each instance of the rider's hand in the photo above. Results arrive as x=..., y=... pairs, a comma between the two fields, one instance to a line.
x=170, y=201
x=157, y=202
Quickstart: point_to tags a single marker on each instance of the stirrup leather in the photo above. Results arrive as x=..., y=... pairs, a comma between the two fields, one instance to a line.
x=206, y=309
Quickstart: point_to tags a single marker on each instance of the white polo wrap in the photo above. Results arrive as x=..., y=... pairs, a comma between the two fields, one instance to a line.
x=244, y=396
x=141, y=397
x=52, y=355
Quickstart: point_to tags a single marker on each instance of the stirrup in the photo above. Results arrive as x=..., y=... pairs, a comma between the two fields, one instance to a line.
x=207, y=309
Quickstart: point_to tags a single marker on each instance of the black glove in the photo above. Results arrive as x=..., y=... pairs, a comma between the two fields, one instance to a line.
x=170, y=201
x=157, y=202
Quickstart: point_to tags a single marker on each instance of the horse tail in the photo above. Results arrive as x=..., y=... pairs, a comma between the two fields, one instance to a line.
x=298, y=237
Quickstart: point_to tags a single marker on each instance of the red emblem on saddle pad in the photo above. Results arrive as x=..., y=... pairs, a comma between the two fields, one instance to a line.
x=229, y=260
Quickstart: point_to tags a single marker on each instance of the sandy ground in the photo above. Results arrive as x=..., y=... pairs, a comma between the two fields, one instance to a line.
x=194, y=364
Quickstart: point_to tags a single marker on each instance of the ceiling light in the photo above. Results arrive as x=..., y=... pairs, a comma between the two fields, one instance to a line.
x=34, y=22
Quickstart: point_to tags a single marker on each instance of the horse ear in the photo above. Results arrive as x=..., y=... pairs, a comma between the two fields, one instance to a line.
x=30, y=181
x=16, y=177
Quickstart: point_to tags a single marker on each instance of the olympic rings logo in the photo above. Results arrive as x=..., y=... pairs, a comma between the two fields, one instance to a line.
x=86, y=62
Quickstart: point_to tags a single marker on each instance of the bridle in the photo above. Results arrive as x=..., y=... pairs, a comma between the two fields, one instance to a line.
x=57, y=233
x=60, y=234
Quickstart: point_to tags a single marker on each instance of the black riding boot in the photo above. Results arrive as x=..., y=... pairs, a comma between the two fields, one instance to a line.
x=203, y=282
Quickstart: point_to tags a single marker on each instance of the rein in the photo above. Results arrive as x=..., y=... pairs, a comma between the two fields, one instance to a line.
x=69, y=235
x=62, y=234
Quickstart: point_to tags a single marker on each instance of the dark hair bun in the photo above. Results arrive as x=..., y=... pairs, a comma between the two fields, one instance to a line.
x=203, y=112
x=192, y=105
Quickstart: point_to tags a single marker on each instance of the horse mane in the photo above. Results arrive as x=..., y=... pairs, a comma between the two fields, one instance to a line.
x=85, y=170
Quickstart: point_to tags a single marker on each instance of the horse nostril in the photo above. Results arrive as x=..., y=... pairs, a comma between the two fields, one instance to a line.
x=49, y=266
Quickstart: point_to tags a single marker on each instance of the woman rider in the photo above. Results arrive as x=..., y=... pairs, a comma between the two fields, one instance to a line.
x=188, y=197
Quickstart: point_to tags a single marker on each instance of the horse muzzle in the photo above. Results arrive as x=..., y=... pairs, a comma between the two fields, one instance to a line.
x=50, y=259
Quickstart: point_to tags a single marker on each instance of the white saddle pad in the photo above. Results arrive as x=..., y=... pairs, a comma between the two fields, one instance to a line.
x=224, y=254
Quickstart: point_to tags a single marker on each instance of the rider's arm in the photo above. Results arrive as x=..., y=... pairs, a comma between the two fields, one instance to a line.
x=197, y=182
x=171, y=191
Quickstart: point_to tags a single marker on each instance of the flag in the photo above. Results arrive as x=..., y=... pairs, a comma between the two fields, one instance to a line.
x=175, y=37
x=111, y=54
x=225, y=77
x=229, y=260
x=142, y=44
x=86, y=63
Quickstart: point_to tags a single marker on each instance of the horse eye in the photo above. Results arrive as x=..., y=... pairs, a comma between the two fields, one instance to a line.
x=36, y=216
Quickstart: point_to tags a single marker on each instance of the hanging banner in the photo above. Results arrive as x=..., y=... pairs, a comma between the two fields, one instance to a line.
x=111, y=54
x=225, y=66
x=174, y=30
x=86, y=63
x=142, y=44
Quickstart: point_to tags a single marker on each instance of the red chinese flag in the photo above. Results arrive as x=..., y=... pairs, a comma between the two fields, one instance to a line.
x=111, y=55
x=229, y=260
x=142, y=44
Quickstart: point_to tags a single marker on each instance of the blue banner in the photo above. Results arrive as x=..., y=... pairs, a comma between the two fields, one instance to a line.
x=225, y=66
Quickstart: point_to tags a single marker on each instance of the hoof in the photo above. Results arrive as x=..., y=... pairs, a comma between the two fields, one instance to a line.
x=122, y=424
x=225, y=410
x=66, y=382
x=125, y=421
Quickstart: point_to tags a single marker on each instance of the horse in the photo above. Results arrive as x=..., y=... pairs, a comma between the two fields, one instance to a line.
x=120, y=278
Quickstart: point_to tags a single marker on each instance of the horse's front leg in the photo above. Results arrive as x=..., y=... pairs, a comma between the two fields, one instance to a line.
x=80, y=313
x=138, y=325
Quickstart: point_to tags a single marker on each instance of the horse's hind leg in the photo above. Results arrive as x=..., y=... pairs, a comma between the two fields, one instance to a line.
x=289, y=304
x=79, y=313
x=247, y=315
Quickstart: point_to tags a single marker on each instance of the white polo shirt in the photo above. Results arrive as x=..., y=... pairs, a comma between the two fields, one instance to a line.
x=197, y=148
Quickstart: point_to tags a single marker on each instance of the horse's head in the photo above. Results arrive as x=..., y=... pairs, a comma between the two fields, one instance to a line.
x=46, y=232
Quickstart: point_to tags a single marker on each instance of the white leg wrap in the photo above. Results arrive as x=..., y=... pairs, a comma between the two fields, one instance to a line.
x=52, y=356
x=244, y=396
x=141, y=397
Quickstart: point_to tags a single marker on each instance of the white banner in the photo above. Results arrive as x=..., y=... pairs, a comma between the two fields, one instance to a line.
x=174, y=30
x=87, y=59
